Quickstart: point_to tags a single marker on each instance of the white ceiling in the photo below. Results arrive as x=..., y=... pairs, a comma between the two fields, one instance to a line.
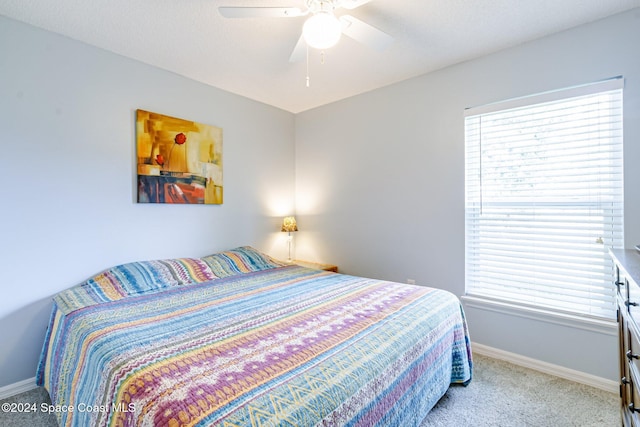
x=250, y=57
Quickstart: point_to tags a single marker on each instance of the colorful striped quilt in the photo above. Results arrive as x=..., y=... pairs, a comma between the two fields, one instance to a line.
x=284, y=346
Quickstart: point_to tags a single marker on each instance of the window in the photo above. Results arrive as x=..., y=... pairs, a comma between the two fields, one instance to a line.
x=544, y=200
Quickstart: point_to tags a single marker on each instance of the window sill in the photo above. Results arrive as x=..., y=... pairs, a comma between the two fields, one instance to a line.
x=602, y=326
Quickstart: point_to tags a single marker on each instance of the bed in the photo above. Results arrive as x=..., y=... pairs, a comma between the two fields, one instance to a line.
x=239, y=339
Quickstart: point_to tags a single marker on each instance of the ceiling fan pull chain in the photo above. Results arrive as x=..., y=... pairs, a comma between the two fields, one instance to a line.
x=322, y=57
x=307, y=65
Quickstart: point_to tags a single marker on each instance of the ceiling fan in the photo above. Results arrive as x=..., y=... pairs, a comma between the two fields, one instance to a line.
x=322, y=29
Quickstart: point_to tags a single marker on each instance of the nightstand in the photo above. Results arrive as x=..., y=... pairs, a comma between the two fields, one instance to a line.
x=317, y=266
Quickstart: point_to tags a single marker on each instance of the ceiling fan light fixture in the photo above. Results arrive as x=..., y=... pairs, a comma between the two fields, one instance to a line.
x=322, y=30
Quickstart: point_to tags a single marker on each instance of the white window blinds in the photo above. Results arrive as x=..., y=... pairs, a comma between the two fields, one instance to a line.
x=544, y=199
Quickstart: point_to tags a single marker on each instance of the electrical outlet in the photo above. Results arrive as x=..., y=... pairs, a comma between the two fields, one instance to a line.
x=411, y=281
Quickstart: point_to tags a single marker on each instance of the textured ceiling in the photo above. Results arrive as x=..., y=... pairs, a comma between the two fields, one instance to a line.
x=250, y=57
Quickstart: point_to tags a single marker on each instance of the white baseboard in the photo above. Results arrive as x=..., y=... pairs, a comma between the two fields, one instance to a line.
x=547, y=368
x=17, y=388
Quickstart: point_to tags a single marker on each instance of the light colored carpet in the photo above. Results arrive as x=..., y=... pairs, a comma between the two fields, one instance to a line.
x=501, y=394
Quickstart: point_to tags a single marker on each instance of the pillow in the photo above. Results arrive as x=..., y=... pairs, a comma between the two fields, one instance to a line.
x=116, y=283
x=132, y=279
x=189, y=270
x=240, y=260
x=143, y=277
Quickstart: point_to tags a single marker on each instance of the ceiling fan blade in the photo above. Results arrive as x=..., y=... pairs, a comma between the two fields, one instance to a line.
x=300, y=51
x=352, y=4
x=365, y=33
x=261, y=12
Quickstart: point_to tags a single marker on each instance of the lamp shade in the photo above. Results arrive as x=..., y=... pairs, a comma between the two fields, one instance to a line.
x=289, y=224
x=322, y=30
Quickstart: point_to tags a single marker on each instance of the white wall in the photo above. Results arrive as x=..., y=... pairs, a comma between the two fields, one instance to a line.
x=380, y=176
x=67, y=198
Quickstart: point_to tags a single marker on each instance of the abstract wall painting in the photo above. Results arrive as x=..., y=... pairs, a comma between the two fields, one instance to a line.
x=179, y=161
